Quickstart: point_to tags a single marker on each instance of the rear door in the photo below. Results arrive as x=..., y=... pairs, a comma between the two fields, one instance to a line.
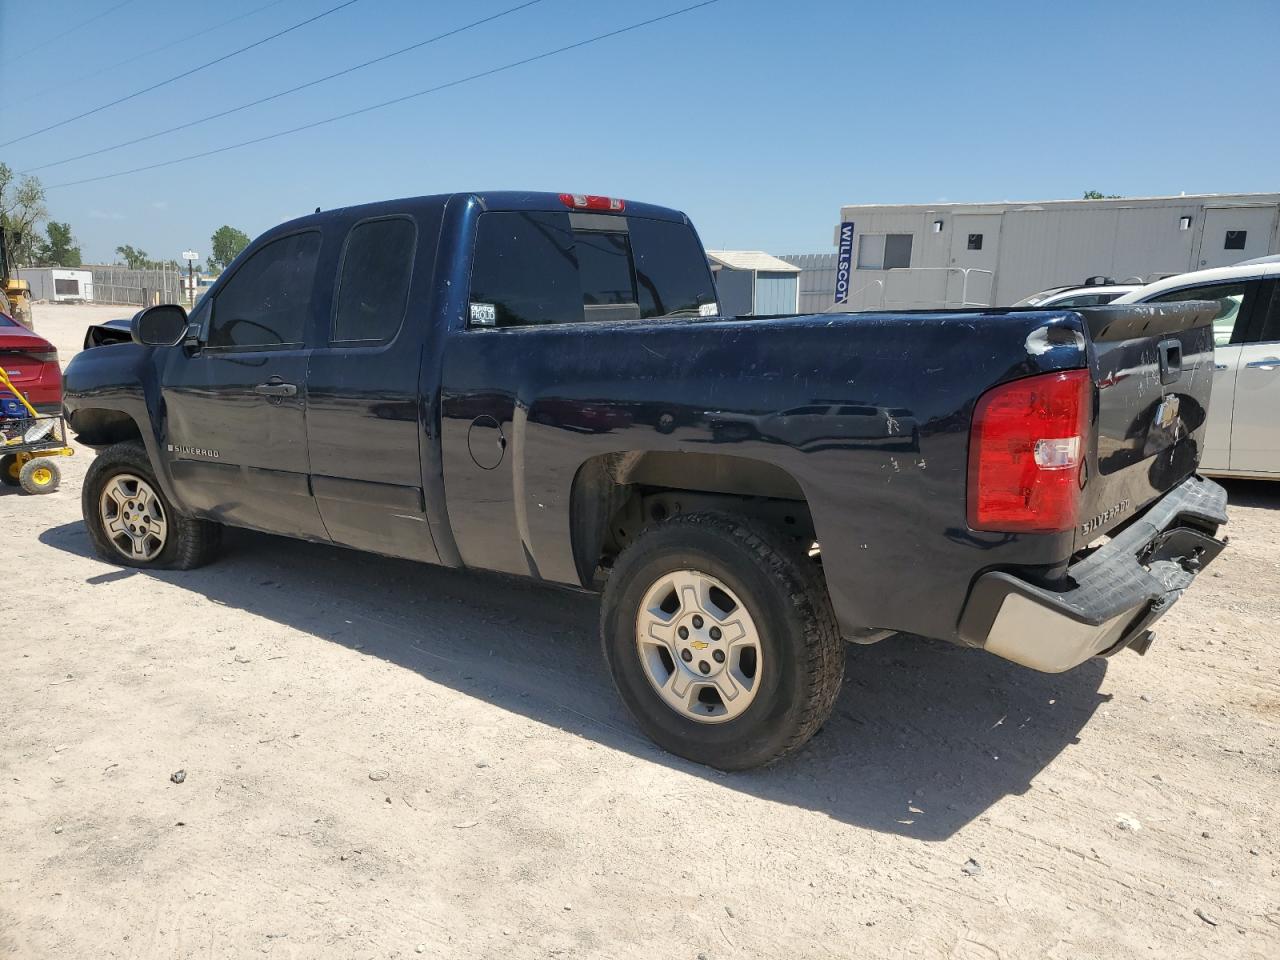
x=363, y=415
x=1236, y=300
x=235, y=429
x=1255, y=427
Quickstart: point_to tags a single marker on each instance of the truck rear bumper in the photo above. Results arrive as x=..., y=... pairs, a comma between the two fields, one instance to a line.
x=1109, y=599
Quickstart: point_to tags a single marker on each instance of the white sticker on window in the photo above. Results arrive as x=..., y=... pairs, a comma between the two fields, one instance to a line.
x=484, y=315
x=709, y=310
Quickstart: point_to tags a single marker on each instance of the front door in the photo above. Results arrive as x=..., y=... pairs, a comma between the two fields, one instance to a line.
x=235, y=429
x=1234, y=234
x=1255, y=428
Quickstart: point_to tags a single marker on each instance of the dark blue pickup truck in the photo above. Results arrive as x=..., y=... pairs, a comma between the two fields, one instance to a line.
x=541, y=385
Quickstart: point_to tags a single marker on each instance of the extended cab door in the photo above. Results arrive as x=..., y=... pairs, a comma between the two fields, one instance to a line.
x=364, y=419
x=1255, y=428
x=235, y=431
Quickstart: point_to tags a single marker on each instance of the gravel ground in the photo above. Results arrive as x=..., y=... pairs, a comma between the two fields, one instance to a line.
x=384, y=759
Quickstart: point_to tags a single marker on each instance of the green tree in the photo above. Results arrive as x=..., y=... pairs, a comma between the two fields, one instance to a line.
x=60, y=249
x=21, y=210
x=134, y=258
x=226, y=244
x=1099, y=195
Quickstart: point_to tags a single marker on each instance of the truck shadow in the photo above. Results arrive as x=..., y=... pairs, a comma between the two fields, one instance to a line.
x=925, y=737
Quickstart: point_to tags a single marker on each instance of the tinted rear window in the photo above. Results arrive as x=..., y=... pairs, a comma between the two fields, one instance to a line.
x=536, y=268
x=671, y=270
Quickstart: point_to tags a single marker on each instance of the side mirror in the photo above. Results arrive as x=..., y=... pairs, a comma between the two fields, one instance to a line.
x=162, y=326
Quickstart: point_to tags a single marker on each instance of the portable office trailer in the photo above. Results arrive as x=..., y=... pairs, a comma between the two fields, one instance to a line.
x=751, y=282
x=58, y=284
x=978, y=254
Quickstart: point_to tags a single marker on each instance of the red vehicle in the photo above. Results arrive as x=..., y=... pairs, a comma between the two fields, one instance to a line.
x=31, y=363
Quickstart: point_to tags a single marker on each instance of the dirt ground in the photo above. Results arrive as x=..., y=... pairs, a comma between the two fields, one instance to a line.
x=385, y=759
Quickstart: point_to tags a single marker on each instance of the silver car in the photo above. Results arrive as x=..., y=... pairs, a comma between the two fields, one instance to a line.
x=1243, y=436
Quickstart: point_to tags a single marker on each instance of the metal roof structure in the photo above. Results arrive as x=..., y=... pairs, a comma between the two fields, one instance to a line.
x=756, y=260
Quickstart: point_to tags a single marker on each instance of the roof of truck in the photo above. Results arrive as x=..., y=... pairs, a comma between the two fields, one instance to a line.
x=488, y=200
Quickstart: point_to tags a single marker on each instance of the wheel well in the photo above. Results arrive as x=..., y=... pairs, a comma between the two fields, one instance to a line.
x=616, y=495
x=97, y=427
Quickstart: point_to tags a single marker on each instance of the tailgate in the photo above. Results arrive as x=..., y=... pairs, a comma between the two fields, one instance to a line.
x=1153, y=367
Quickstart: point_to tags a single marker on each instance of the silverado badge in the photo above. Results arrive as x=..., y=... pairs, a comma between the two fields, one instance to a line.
x=1105, y=517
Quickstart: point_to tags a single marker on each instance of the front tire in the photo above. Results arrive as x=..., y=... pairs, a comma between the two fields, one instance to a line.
x=130, y=520
x=721, y=640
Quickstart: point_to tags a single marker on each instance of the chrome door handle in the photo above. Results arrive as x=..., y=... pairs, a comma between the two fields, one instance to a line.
x=1266, y=363
x=275, y=387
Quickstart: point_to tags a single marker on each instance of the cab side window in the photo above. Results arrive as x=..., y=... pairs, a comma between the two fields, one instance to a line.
x=1229, y=297
x=373, y=291
x=267, y=302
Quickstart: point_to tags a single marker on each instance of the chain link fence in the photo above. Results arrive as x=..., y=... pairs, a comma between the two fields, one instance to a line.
x=141, y=288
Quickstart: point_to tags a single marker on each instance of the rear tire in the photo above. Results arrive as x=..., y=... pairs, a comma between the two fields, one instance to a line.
x=131, y=521
x=755, y=578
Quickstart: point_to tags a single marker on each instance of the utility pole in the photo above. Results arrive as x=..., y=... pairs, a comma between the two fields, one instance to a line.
x=191, y=257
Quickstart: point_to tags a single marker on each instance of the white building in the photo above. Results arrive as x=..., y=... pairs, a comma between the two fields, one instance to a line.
x=907, y=256
x=752, y=282
x=57, y=284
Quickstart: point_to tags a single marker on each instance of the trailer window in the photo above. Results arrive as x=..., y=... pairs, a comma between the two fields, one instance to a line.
x=884, y=251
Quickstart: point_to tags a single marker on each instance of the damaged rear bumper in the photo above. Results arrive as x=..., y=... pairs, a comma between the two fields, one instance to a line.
x=1109, y=599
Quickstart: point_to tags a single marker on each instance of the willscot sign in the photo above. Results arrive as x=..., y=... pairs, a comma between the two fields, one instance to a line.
x=844, y=262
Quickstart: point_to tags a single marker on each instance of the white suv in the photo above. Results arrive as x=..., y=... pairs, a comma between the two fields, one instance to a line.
x=1080, y=295
x=1243, y=436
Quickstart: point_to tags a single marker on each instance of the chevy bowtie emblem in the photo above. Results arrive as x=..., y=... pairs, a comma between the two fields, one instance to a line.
x=699, y=644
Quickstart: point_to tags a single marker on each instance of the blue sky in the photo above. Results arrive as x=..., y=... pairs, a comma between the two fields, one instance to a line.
x=757, y=118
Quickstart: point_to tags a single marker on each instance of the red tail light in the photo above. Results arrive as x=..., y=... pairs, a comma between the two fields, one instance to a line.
x=587, y=201
x=1026, y=452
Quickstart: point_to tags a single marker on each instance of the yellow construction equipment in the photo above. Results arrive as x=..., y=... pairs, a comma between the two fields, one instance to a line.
x=15, y=294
